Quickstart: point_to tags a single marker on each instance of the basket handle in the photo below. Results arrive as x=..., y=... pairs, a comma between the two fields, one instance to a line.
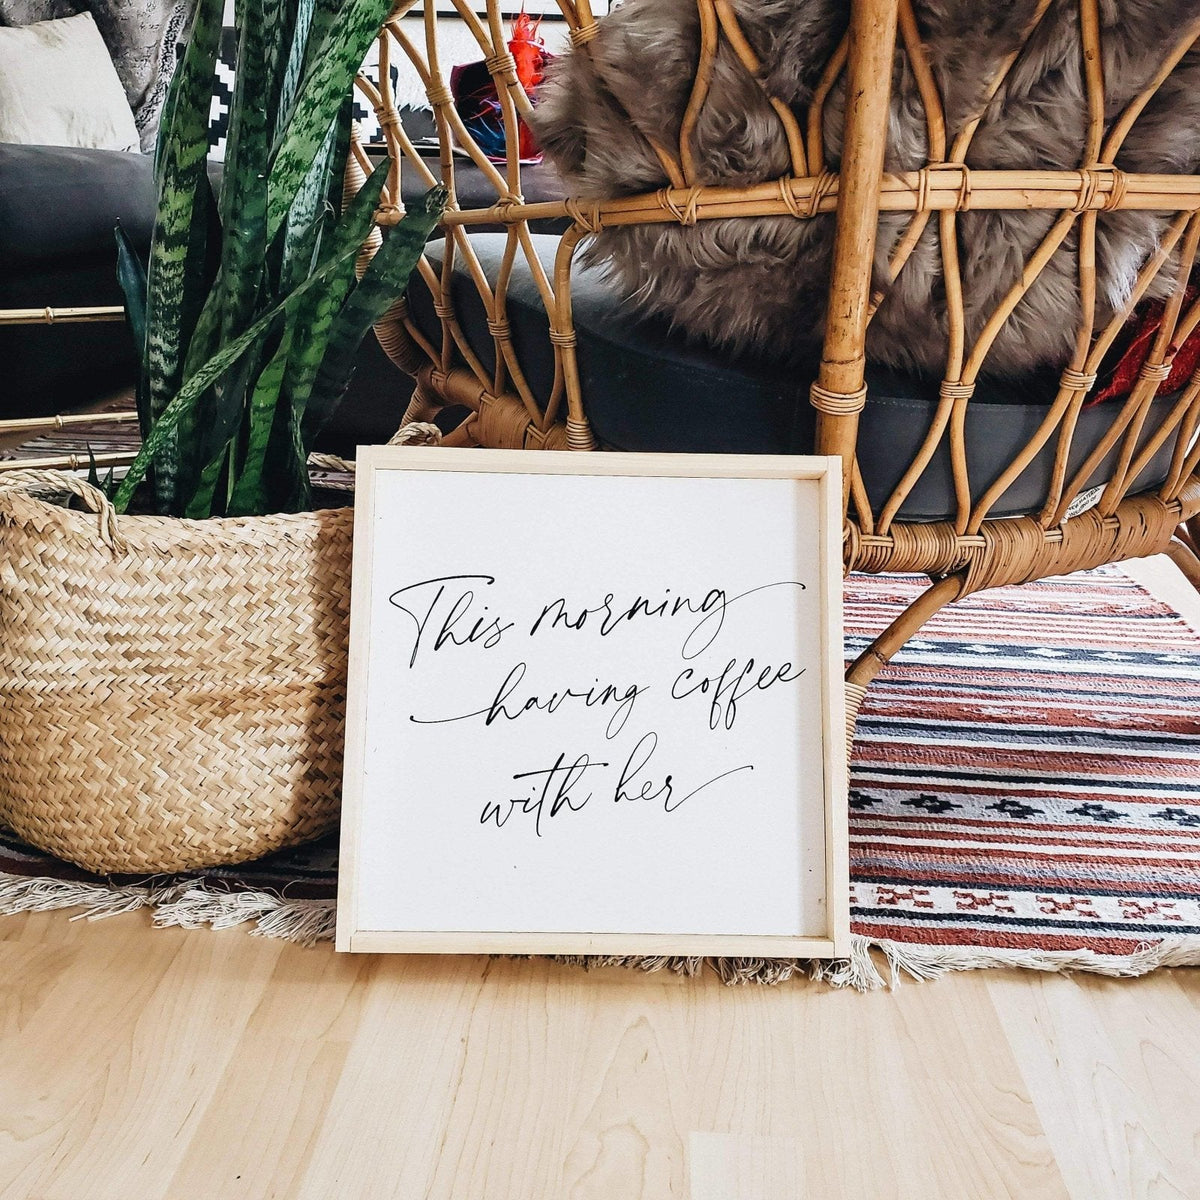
x=40, y=482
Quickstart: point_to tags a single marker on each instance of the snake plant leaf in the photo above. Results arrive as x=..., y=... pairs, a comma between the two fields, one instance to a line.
x=325, y=85
x=325, y=14
x=175, y=277
x=383, y=282
x=249, y=494
x=350, y=234
x=288, y=455
x=244, y=187
x=219, y=433
x=169, y=419
x=131, y=275
x=312, y=335
x=199, y=505
x=235, y=294
x=280, y=21
x=293, y=66
x=312, y=339
x=178, y=247
x=313, y=325
x=311, y=212
x=224, y=411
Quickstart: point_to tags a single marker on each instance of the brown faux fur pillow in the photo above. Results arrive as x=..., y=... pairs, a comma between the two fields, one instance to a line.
x=759, y=286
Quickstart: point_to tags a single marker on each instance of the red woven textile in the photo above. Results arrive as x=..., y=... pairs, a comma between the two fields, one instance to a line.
x=1145, y=329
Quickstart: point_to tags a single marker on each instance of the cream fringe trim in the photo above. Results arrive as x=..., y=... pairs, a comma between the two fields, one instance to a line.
x=189, y=904
x=862, y=970
x=193, y=905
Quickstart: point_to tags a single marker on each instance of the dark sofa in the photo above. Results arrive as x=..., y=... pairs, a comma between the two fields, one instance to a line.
x=58, y=210
x=646, y=388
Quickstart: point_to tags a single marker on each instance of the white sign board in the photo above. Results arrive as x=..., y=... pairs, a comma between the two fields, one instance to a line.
x=595, y=705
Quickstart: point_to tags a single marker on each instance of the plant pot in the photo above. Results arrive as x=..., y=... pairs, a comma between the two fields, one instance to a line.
x=172, y=692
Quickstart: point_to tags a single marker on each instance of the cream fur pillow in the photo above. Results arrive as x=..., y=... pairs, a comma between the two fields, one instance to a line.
x=58, y=87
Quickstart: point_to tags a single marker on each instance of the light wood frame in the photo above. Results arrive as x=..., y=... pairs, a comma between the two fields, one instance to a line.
x=826, y=475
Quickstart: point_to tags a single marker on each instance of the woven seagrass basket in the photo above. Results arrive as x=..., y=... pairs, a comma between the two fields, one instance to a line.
x=172, y=692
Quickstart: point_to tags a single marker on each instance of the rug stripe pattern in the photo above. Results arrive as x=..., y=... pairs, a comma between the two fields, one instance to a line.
x=1054, y=800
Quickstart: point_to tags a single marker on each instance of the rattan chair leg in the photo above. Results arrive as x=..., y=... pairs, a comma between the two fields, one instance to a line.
x=840, y=393
x=1185, y=558
x=885, y=647
x=855, y=694
x=420, y=407
x=880, y=652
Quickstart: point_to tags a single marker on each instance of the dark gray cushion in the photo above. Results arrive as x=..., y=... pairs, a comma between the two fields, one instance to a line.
x=58, y=210
x=647, y=389
x=59, y=204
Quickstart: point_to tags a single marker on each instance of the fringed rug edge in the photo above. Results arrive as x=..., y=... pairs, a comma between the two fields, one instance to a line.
x=873, y=964
x=189, y=903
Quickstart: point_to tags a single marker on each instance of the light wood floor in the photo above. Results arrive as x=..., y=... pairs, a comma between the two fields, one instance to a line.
x=140, y=1064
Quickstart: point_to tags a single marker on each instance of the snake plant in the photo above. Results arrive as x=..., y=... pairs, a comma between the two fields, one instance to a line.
x=249, y=312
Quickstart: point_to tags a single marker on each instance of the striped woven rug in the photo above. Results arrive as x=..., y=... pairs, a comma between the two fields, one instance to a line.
x=1025, y=790
x=1025, y=784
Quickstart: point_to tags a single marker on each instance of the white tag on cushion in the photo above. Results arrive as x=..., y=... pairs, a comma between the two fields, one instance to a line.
x=58, y=87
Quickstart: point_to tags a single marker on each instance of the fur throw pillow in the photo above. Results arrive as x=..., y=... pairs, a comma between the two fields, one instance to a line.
x=758, y=286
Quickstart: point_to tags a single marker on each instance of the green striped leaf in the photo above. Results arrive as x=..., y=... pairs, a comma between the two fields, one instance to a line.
x=325, y=14
x=169, y=419
x=131, y=275
x=249, y=495
x=224, y=412
x=236, y=292
x=351, y=234
x=316, y=321
x=293, y=67
x=176, y=274
x=384, y=281
x=280, y=23
x=200, y=505
x=310, y=214
x=325, y=85
x=244, y=183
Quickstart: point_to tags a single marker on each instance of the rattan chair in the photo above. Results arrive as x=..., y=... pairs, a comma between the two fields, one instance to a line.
x=975, y=549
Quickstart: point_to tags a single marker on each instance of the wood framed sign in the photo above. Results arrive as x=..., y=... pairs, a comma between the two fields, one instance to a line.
x=595, y=706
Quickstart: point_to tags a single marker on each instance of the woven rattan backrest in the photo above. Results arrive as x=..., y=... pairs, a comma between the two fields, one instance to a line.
x=508, y=413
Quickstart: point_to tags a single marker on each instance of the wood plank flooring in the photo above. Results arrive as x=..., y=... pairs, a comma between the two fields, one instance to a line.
x=140, y=1064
